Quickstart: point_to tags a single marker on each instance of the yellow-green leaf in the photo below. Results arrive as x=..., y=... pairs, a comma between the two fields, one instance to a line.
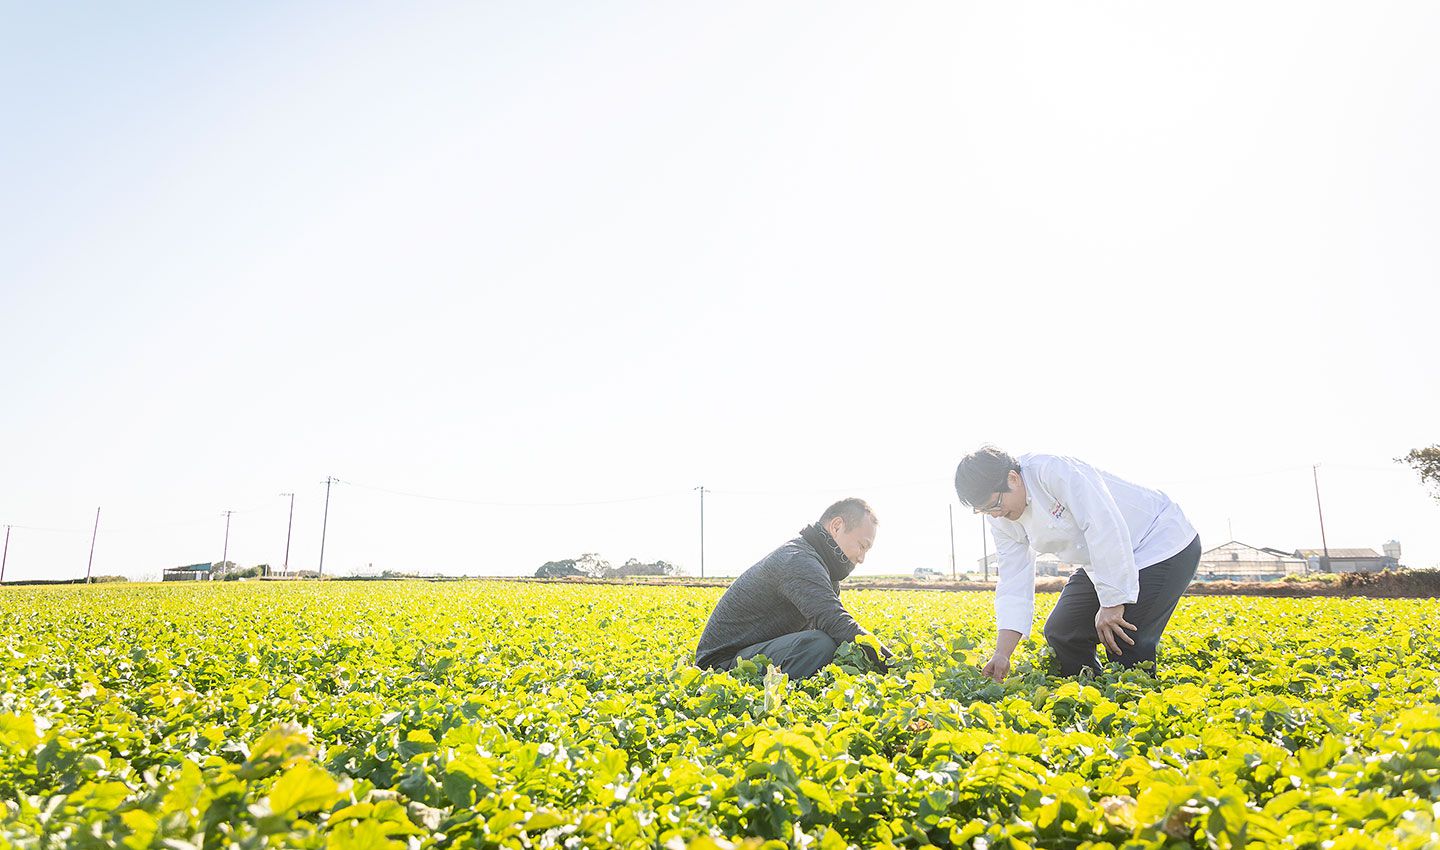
x=303, y=788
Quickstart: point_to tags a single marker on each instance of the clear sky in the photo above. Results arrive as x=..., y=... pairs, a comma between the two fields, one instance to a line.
x=560, y=263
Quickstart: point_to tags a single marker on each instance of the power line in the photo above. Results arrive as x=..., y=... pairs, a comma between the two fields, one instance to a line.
x=497, y=504
x=816, y=492
x=48, y=530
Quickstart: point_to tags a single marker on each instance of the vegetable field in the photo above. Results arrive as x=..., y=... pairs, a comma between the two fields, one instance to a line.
x=491, y=714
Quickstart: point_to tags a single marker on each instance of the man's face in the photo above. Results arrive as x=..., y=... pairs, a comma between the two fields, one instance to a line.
x=1009, y=504
x=854, y=542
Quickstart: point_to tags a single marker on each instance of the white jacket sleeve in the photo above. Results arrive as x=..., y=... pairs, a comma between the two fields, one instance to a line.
x=1112, y=556
x=1015, y=582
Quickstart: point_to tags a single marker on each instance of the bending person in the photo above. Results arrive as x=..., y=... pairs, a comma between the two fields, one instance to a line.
x=787, y=607
x=1138, y=550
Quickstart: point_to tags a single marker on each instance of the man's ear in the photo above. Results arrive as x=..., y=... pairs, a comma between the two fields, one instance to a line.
x=835, y=525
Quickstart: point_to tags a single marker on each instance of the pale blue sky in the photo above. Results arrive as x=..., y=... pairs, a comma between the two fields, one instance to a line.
x=545, y=254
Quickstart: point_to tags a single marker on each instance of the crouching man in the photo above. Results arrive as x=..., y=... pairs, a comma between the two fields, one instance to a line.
x=787, y=607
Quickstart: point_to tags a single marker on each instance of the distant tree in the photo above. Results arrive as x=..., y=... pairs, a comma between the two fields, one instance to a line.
x=1426, y=462
x=589, y=565
x=558, y=569
x=592, y=565
x=635, y=567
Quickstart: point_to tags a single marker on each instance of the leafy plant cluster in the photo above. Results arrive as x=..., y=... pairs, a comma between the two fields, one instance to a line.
x=410, y=715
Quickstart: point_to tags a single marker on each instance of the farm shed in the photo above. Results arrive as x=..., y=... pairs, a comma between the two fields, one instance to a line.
x=1045, y=565
x=1236, y=561
x=1353, y=560
x=192, y=572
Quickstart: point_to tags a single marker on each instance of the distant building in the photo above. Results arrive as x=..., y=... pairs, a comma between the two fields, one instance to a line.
x=193, y=572
x=1236, y=561
x=1045, y=565
x=1354, y=560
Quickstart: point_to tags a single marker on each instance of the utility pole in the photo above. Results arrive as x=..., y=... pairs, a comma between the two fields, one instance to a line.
x=93, y=535
x=6, y=555
x=324, y=523
x=954, y=576
x=225, y=553
x=703, y=491
x=985, y=548
x=1315, y=471
x=285, y=570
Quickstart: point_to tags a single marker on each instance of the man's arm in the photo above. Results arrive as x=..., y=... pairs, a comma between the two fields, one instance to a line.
x=807, y=585
x=1014, y=598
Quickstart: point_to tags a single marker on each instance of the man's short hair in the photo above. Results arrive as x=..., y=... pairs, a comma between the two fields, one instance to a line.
x=851, y=512
x=981, y=473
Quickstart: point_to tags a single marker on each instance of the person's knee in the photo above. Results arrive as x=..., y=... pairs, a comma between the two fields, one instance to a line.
x=813, y=650
x=1060, y=637
x=1143, y=650
x=1141, y=653
x=820, y=643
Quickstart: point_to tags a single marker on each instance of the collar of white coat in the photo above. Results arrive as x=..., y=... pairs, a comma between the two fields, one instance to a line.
x=1032, y=490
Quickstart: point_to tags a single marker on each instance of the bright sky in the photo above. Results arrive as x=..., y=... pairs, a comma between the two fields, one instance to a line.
x=574, y=260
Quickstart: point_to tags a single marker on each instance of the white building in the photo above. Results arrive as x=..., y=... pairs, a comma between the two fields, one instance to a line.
x=1236, y=561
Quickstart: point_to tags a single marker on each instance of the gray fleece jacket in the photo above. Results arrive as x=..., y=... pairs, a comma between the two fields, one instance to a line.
x=790, y=590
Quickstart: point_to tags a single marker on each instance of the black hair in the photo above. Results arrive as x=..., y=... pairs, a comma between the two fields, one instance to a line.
x=851, y=512
x=983, y=472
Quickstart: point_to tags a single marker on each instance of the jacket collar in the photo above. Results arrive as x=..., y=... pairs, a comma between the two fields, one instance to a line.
x=831, y=556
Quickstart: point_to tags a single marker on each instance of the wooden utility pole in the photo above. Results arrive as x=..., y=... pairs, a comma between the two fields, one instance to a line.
x=225, y=552
x=1315, y=471
x=703, y=491
x=93, y=535
x=324, y=523
x=6, y=555
x=985, y=548
x=954, y=576
x=285, y=570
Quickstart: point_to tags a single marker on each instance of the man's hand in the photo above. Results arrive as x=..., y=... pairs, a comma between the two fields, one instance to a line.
x=1110, y=624
x=997, y=668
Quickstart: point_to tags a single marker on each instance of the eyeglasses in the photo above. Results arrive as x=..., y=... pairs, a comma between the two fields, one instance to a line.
x=994, y=506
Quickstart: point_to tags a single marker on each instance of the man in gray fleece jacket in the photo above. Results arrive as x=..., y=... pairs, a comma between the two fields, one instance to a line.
x=787, y=607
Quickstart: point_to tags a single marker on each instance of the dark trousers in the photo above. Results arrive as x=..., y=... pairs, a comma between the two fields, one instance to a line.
x=1070, y=630
x=799, y=655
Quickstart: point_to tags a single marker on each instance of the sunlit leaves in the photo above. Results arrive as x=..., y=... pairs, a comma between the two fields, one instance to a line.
x=403, y=715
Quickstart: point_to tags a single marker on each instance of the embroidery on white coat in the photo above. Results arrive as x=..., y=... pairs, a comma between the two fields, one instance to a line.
x=1058, y=511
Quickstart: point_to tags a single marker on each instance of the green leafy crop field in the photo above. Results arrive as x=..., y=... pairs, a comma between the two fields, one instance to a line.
x=491, y=714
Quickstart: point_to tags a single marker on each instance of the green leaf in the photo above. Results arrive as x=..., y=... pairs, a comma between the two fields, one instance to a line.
x=18, y=732
x=303, y=788
x=279, y=746
x=362, y=835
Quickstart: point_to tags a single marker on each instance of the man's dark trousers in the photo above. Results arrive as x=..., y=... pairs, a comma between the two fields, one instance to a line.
x=1070, y=630
x=799, y=655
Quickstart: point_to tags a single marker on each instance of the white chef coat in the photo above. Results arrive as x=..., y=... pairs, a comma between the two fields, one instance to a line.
x=1083, y=516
